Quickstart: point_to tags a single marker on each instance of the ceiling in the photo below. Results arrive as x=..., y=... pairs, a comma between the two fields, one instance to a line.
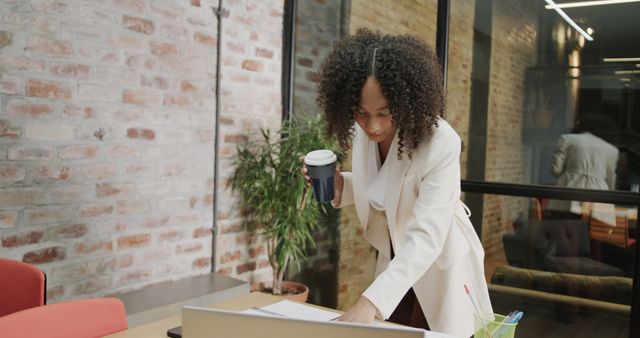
x=616, y=30
x=616, y=34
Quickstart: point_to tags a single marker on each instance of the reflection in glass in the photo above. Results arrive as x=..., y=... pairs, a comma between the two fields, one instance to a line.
x=583, y=159
x=539, y=78
x=528, y=84
x=565, y=273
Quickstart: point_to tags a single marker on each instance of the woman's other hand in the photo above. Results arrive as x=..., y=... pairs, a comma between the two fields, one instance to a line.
x=362, y=312
x=339, y=184
x=304, y=170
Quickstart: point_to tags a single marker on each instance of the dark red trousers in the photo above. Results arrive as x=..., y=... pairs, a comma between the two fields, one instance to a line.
x=409, y=313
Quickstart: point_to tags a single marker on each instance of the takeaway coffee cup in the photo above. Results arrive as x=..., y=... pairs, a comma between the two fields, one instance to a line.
x=321, y=168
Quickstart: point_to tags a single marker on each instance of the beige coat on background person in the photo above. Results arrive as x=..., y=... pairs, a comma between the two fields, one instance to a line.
x=436, y=248
x=583, y=161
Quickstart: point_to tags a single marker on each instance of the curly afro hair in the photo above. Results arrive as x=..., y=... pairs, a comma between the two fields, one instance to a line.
x=409, y=76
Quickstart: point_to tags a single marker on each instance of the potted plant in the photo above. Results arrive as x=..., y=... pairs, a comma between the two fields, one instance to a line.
x=278, y=200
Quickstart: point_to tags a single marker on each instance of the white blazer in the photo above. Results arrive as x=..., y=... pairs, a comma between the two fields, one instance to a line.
x=436, y=248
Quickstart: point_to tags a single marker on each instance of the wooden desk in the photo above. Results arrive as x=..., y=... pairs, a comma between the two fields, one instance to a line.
x=158, y=329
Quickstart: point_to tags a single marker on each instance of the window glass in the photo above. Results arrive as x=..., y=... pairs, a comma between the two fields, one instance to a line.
x=565, y=271
x=544, y=103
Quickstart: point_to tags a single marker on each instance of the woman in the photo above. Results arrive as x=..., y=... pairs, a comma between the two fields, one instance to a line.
x=382, y=95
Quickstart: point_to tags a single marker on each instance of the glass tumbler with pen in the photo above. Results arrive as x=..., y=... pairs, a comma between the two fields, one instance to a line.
x=493, y=325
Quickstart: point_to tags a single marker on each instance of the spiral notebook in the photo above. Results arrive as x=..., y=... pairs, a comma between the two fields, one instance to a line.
x=200, y=322
x=289, y=309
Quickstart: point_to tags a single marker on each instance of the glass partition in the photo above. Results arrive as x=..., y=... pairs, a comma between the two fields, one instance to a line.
x=569, y=273
x=546, y=103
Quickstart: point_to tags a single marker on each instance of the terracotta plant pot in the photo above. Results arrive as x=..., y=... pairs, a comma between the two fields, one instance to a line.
x=299, y=293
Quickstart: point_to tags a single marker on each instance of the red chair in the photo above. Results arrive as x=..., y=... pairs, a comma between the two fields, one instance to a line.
x=73, y=319
x=22, y=286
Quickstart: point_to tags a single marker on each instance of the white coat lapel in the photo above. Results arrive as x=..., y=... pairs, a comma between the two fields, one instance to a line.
x=359, y=164
x=397, y=170
x=395, y=177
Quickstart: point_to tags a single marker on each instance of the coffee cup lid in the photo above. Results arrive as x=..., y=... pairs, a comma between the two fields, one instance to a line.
x=320, y=157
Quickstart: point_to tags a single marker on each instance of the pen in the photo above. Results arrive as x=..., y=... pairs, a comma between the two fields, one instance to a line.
x=513, y=318
x=475, y=306
x=516, y=318
x=503, y=321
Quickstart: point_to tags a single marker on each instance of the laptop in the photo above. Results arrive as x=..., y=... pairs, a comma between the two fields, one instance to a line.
x=198, y=322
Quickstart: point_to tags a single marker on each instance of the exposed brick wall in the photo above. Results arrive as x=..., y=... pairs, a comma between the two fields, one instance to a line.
x=106, y=136
x=513, y=49
x=460, y=61
x=250, y=98
x=396, y=17
x=317, y=29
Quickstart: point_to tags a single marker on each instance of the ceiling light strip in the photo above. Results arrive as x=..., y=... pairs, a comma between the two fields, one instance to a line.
x=588, y=3
x=621, y=59
x=626, y=72
x=568, y=19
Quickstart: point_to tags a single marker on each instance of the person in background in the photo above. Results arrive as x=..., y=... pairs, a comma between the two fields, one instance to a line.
x=583, y=159
x=382, y=95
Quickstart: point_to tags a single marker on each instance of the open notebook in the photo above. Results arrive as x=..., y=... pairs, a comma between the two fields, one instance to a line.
x=289, y=309
x=286, y=319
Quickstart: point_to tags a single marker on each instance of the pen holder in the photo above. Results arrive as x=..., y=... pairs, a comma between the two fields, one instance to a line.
x=491, y=325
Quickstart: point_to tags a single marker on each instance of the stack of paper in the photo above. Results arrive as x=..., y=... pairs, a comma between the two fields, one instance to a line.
x=289, y=309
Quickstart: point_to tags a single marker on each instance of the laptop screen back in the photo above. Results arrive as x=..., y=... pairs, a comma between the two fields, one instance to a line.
x=210, y=323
